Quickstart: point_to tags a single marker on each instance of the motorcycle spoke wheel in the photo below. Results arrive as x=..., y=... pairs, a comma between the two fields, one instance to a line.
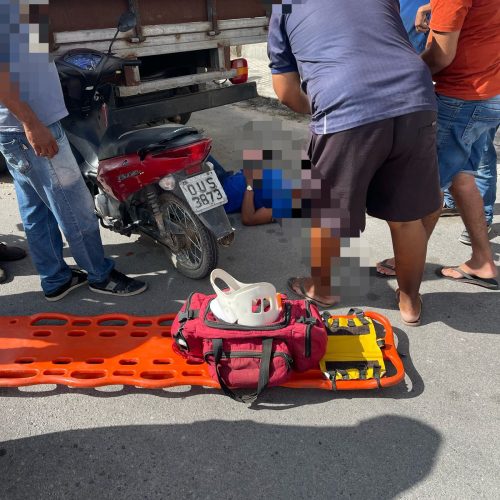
x=198, y=255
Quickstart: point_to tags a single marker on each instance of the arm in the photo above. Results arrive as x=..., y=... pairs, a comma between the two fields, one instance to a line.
x=252, y=217
x=422, y=18
x=289, y=92
x=38, y=135
x=441, y=51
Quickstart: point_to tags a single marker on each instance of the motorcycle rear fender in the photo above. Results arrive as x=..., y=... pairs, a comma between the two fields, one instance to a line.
x=217, y=222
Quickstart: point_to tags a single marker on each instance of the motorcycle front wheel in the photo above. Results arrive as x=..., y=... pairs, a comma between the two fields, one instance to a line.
x=197, y=254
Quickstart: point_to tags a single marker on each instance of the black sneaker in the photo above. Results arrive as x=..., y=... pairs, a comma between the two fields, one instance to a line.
x=465, y=238
x=119, y=284
x=449, y=211
x=78, y=279
x=8, y=253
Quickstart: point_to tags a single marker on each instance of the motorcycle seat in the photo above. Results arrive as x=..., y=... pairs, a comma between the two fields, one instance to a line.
x=137, y=141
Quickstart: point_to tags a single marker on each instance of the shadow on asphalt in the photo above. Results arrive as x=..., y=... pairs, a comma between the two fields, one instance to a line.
x=378, y=458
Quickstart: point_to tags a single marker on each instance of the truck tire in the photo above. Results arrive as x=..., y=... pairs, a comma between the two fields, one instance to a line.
x=199, y=254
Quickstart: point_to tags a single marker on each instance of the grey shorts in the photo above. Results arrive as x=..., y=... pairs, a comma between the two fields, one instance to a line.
x=387, y=169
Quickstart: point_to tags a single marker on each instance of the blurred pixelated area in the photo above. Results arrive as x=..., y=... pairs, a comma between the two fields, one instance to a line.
x=281, y=7
x=277, y=162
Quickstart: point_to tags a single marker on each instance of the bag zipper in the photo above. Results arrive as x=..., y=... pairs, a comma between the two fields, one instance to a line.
x=251, y=354
x=223, y=325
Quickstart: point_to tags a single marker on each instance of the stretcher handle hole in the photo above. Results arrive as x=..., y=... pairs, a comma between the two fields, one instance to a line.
x=95, y=361
x=76, y=333
x=81, y=322
x=164, y=361
x=123, y=373
x=49, y=321
x=142, y=323
x=18, y=373
x=24, y=361
x=128, y=362
x=62, y=361
x=165, y=321
x=192, y=373
x=54, y=372
x=158, y=375
x=13, y=321
x=88, y=375
x=42, y=333
x=166, y=334
x=113, y=322
x=107, y=334
x=139, y=334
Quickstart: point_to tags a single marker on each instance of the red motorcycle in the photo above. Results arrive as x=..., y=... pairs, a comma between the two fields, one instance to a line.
x=152, y=180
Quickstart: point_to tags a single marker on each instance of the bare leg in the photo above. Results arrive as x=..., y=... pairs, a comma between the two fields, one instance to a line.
x=409, y=240
x=429, y=222
x=471, y=208
x=324, y=247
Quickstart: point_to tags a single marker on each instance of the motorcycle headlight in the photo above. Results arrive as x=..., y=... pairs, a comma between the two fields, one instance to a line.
x=167, y=183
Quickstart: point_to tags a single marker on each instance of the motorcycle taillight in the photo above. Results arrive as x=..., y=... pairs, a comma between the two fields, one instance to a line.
x=190, y=154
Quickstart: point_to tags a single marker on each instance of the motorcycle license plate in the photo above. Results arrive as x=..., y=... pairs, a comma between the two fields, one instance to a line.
x=203, y=192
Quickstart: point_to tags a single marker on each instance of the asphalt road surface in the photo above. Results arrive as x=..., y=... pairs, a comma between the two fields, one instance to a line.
x=435, y=436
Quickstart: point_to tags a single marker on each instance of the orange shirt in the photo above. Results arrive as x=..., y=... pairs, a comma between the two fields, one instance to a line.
x=474, y=74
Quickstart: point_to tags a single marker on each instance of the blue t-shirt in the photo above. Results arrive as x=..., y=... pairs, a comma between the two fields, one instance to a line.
x=28, y=65
x=355, y=61
x=273, y=192
x=408, y=12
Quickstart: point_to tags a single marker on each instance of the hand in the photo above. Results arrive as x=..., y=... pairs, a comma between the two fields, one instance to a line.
x=422, y=18
x=41, y=139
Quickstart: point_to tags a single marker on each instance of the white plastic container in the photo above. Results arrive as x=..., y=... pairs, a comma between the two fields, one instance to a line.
x=248, y=304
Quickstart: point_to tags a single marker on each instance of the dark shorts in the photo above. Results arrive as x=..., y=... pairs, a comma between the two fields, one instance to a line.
x=387, y=168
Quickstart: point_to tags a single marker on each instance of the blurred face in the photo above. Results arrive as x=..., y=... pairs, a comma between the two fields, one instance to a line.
x=35, y=13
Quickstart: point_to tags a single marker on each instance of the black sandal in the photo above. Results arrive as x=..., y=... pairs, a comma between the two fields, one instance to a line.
x=303, y=294
x=490, y=283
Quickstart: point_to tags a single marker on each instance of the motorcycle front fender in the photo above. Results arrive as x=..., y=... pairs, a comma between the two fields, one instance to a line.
x=217, y=222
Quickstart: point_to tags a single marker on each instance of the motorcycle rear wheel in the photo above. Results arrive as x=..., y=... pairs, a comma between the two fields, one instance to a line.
x=198, y=255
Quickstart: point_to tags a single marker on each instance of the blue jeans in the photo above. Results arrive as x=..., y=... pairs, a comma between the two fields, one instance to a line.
x=466, y=130
x=486, y=177
x=52, y=194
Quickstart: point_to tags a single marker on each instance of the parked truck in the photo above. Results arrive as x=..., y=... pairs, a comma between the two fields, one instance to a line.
x=183, y=46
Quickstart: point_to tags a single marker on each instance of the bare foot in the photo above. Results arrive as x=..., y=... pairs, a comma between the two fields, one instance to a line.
x=387, y=267
x=305, y=288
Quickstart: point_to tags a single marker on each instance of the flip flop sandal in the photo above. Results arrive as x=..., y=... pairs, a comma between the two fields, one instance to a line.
x=303, y=294
x=385, y=264
x=417, y=322
x=490, y=283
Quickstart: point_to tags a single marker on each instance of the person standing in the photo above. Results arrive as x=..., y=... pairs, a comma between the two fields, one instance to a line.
x=50, y=190
x=373, y=132
x=463, y=54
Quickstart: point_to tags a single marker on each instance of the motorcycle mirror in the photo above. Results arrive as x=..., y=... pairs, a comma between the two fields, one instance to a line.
x=128, y=21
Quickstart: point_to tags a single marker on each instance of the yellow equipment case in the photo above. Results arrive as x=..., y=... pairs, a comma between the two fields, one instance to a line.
x=354, y=350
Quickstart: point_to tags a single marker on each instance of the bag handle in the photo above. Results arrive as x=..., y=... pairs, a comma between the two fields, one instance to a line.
x=265, y=366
